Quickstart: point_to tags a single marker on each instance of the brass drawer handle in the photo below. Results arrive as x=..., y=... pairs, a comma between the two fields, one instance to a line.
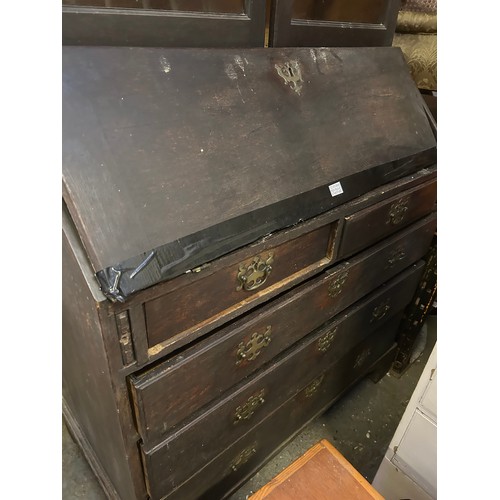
x=325, y=341
x=244, y=457
x=362, y=357
x=255, y=274
x=313, y=387
x=380, y=311
x=398, y=211
x=396, y=255
x=245, y=411
x=337, y=284
x=252, y=348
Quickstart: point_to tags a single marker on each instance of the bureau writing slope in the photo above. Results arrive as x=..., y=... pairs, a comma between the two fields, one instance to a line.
x=242, y=230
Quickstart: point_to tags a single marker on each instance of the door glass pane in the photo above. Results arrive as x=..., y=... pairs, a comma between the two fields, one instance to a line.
x=354, y=11
x=218, y=6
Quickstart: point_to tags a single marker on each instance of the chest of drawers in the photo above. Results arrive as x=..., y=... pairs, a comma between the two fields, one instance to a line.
x=234, y=256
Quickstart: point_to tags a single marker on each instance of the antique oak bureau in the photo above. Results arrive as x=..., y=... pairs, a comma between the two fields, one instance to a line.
x=242, y=230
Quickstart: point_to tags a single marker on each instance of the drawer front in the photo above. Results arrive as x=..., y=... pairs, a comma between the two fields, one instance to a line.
x=267, y=268
x=231, y=467
x=187, y=382
x=199, y=441
x=374, y=223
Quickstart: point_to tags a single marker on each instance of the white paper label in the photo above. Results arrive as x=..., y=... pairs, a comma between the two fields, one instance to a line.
x=335, y=189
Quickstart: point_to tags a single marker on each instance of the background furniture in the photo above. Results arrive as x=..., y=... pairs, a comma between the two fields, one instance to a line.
x=321, y=473
x=229, y=23
x=332, y=23
x=234, y=258
x=164, y=23
x=409, y=468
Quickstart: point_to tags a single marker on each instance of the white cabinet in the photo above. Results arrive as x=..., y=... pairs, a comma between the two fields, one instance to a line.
x=409, y=467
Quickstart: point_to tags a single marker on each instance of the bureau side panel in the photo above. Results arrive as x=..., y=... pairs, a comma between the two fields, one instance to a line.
x=87, y=384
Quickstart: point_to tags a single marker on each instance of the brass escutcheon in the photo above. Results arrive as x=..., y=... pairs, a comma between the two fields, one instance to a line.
x=398, y=211
x=252, y=348
x=396, y=255
x=244, y=412
x=326, y=340
x=362, y=357
x=291, y=74
x=337, y=284
x=243, y=457
x=314, y=386
x=255, y=274
x=380, y=311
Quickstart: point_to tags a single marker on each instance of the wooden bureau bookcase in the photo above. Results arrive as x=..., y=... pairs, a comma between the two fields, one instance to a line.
x=242, y=231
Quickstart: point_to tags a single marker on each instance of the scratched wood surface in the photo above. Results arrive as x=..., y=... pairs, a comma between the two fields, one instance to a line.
x=200, y=151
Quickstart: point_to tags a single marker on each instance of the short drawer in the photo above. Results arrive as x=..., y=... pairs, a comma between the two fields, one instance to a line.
x=376, y=222
x=208, y=433
x=231, y=467
x=244, y=277
x=171, y=391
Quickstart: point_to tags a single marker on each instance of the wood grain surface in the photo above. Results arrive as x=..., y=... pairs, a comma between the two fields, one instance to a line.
x=322, y=473
x=191, y=153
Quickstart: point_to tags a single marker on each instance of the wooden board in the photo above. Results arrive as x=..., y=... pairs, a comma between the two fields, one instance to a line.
x=321, y=473
x=173, y=157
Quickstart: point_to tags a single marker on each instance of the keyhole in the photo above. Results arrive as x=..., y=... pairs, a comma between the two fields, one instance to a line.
x=290, y=71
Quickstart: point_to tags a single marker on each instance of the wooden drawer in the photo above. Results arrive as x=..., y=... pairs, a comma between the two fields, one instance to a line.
x=186, y=382
x=232, y=466
x=249, y=275
x=374, y=223
x=199, y=441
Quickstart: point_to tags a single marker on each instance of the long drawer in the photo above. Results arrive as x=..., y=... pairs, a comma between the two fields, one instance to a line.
x=197, y=442
x=233, y=465
x=173, y=390
x=237, y=280
x=382, y=219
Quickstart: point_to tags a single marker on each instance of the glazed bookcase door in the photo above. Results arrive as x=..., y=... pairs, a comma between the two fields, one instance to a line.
x=333, y=23
x=164, y=23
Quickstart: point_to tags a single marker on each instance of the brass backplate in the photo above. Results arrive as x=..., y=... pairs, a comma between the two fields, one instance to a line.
x=325, y=341
x=251, y=349
x=380, y=311
x=253, y=275
x=336, y=286
x=245, y=411
x=313, y=387
x=398, y=211
x=244, y=457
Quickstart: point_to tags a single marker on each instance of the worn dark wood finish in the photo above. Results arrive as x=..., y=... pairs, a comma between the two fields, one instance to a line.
x=374, y=223
x=88, y=389
x=183, y=384
x=179, y=168
x=182, y=453
x=87, y=449
x=223, y=27
x=417, y=312
x=333, y=23
x=132, y=153
x=234, y=258
x=191, y=307
x=217, y=479
x=118, y=324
